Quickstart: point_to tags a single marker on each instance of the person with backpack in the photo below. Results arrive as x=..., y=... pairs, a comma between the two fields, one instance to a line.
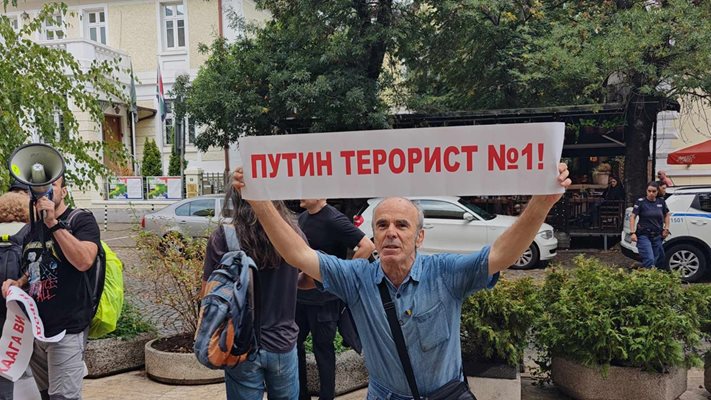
x=273, y=364
x=58, y=267
x=407, y=306
x=14, y=216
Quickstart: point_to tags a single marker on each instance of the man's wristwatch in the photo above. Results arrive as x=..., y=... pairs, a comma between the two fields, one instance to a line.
x=59, y=225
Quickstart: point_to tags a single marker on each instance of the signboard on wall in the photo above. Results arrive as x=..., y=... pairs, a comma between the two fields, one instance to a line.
x=164, y=188
x=125, y=188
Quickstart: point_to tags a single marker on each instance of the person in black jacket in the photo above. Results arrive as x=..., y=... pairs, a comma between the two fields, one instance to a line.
x=613, y=194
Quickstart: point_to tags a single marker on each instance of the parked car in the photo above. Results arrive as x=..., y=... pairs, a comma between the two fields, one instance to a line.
x=196, y=216
x=688, y=247
x=453, y=225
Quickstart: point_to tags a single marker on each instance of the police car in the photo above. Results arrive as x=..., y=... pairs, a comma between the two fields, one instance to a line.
x=688, y=247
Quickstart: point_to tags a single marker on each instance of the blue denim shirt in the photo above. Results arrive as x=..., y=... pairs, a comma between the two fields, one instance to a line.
x=429, y=305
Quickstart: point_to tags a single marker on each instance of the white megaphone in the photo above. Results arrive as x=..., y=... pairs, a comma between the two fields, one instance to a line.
x=37, y=166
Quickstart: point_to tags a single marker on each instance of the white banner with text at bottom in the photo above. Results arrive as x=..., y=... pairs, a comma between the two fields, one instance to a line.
x=18, y=334
x=508, y=159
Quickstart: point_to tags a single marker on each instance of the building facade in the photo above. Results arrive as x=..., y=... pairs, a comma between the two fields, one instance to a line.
x=146, y=35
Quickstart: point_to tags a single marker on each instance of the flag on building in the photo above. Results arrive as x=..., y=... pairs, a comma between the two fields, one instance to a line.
x=134, y=108
x=160, y=95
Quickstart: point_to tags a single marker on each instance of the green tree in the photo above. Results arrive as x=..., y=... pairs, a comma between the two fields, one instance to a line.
x=174, y=165
x=40, y=85
x=152, y=165
x=178, y=93
x=493, y=54
x=316, y=66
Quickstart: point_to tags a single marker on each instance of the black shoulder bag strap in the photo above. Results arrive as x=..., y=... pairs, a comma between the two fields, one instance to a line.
x=398, y=337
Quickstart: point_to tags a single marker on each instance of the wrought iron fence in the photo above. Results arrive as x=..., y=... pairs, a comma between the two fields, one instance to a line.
x=213, y=182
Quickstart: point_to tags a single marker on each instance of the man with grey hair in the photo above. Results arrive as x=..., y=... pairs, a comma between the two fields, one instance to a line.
x=427, y=291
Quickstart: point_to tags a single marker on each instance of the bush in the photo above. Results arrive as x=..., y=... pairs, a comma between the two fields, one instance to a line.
x=174, y=165
x=495, y=323
x=152, y=165
x=601, y=316
x=174, y=265
x=130, y=324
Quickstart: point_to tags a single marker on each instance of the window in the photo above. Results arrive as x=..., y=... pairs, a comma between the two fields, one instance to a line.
x=53, y=27
x=95, y=21
x=441, y=209
x=14, y=22
x=191, y=130
x=169, y=124
x=197, y=208
x=173, y=127
x=704, y=202
x=173, y=25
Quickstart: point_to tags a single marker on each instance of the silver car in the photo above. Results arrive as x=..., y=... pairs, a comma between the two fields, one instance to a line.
x=197, y=216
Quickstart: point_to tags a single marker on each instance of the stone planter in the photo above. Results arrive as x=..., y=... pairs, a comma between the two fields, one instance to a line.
x=350, y=373
x=115, y=355
x=707, y=372
x=585, y=383
x=178, y=368
x=493, y=381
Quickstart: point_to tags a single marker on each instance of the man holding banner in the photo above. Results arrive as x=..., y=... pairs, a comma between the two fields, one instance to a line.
x=427, y=291
x=60, y=275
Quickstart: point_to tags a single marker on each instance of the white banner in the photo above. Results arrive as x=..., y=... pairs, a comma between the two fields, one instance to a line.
x=18, y=334
x=464, y=160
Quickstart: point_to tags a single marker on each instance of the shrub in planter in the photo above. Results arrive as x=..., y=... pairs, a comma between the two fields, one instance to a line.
x=598, y=316
x=704, y=294
x=173, y=264
x=495, y=325
x=122, y=349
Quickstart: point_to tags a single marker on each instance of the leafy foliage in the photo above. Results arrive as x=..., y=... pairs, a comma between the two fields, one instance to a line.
x=337, y=344
x=174, y=265
x=316, y=66
x=152, y=165
x=131, y=323
x=40, y=85
x=174, y=166
x=601, y=316
x=496, y=323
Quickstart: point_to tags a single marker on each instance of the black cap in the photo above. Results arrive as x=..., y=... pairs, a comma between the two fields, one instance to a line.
x=17, y=185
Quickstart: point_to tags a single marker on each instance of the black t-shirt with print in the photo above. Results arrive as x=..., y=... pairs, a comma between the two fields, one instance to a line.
x=60, y=290
x=333, y=233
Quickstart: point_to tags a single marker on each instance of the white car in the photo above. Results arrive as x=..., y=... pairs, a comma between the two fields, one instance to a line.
x=197, y=216
x=455, y=226
x=688, y=247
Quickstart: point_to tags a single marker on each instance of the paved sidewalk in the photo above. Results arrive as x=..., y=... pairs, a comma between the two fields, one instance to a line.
x=135, y=385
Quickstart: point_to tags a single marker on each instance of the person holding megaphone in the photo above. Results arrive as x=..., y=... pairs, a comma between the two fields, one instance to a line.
x=58, y=270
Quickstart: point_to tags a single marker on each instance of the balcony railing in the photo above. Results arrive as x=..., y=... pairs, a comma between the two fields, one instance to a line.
x=86, y=52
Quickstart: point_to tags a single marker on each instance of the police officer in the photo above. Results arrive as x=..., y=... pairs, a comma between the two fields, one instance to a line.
x=653, y=218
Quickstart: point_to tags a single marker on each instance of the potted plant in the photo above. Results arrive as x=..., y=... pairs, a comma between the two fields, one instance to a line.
x=121, y=350
x=571, y=134
x=614, y=128
x=174, y=265
x=607, y=333
x=704, y=294
x=601, y=174
x=494, y=330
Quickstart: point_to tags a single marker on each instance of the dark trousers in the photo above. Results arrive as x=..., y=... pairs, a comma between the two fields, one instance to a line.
x=321, y=321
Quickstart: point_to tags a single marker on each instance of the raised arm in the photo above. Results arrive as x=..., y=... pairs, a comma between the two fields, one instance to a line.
x=515, y=240
x=287, y=242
